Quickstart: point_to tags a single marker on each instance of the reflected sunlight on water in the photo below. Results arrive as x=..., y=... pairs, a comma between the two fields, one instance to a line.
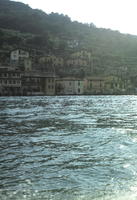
x=72, y=147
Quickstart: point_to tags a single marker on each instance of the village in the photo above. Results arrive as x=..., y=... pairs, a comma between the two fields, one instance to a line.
x=21, y=77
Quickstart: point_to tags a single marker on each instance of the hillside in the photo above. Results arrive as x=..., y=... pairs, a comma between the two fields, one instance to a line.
x=111, y=52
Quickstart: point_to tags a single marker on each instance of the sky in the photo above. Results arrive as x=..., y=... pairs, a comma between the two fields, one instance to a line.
x=118, y=15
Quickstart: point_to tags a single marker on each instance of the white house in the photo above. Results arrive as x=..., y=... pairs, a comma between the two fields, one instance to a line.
x=19, y=54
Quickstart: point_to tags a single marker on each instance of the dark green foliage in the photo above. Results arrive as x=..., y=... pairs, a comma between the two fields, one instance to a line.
x=22, y=26
x=18, y=16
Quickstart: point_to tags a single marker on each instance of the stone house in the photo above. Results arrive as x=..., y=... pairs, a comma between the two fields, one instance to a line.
x=115, y=85
x=31, y=84
x=94, y=85
x=69, y=86
x=18, y=54
x=10, y=81
x=38, y=83
x=49, y=84
x=20, y=58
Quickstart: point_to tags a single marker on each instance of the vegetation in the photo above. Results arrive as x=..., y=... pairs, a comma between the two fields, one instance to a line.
x=111, y=53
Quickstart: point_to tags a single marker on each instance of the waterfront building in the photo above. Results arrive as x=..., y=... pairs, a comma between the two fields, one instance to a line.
x=25, y=76
x=69, y=86
x=31, y=84
x=115, y=85
x=38, y=83
x=10, y=81
x=49, y=84
x=94, y=85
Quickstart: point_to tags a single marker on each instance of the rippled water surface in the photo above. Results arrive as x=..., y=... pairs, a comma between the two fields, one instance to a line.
x=68, y=148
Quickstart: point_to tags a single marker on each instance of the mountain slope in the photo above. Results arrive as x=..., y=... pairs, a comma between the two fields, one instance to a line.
x=22, y=26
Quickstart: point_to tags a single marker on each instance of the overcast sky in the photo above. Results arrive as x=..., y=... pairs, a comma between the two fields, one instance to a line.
x=114, y=14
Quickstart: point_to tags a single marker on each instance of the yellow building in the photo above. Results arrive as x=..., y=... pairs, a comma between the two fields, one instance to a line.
x=115, y=85
x=52, y=60
x=77, y=62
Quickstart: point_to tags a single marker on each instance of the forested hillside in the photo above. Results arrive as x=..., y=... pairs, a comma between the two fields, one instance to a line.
x=111, y=52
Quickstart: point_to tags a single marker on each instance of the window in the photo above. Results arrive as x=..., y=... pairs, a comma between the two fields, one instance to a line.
x=14, y=56
x=112, y=86
x=90, y=84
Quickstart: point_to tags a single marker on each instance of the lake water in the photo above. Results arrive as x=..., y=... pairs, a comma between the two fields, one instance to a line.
x=68, y=148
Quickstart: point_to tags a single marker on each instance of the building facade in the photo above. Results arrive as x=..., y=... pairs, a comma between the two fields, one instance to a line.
x=10, y=82
x=19, y=54
x=21, y=59
x=94, y=85
x=69, y=86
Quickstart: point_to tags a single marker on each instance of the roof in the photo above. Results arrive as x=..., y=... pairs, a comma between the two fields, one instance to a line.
x=96, y=78
x=23, y=49
x=39, y=74
x=8, y=69
x=69, y=79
